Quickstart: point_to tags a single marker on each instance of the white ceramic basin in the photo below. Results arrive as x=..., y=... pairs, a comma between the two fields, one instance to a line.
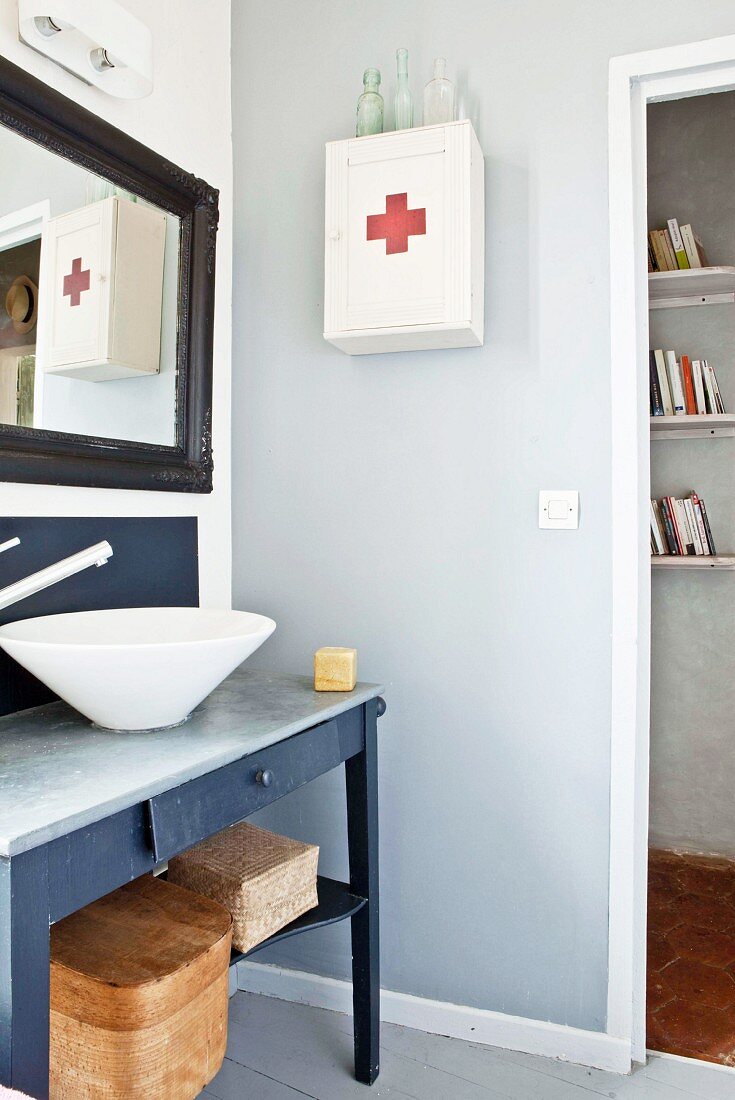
x=135, y=668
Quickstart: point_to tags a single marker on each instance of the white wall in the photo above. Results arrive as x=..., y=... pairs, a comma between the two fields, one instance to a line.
x=192, y=88
x=390, y=502
x=691, y=174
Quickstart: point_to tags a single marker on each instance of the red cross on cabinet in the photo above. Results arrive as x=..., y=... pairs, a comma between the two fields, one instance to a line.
x=404, y=241
x=76, y=282
x=397, y=224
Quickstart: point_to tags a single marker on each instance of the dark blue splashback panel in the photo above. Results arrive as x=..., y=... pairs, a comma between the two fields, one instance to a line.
x=154, y=564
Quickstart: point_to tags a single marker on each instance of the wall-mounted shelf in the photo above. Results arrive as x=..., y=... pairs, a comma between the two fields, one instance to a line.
x=702, y=561
x=698, y=286
x=706, y=426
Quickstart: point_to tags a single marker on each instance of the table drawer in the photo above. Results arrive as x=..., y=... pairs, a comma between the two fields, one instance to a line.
x=187, y=814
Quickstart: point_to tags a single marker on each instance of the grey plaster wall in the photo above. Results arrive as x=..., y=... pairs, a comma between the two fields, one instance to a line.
x=691, y=166
x=390, y=502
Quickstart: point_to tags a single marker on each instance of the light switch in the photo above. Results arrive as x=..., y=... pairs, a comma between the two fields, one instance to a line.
x=558, y=509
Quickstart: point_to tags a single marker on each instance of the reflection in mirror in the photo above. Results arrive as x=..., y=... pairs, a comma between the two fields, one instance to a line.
x=88, y=302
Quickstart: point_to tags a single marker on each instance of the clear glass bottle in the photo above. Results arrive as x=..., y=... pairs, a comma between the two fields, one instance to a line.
x=439, y=96
x=370, y=105
x=403, y=103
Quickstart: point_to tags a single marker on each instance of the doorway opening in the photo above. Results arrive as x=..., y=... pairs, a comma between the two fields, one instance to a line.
x=649, y=683
x=690, y=158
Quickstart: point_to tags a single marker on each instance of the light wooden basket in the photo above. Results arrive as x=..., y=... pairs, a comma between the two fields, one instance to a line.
x=139, y=995
x=265, y=880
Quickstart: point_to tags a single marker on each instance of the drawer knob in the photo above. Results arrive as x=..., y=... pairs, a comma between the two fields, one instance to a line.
x=265, y=778
x=382, y=707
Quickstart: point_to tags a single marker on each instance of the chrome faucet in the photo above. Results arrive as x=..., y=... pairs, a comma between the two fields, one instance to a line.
x=59, y=571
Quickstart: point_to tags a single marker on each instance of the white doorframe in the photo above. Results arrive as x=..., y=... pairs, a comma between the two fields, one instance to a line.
x=635, y=81
x=24, y=225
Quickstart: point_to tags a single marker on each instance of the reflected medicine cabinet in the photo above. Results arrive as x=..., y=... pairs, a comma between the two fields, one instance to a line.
x=405, y=240
x=101, y=291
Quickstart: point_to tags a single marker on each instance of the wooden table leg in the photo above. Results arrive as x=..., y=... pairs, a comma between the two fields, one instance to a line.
x=361, y=773
x=24, y=973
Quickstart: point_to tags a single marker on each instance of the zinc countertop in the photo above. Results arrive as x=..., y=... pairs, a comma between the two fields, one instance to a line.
x=58, y=772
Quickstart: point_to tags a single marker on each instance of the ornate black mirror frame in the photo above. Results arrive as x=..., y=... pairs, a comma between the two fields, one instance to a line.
x=40, y=114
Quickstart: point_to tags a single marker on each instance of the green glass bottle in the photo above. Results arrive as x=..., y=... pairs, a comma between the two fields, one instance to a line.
x=403, y=102
x=370, y=105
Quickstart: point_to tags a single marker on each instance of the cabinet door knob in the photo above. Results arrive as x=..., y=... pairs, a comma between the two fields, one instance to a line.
x=334, y=234
x=265, y=778
x=382, y=706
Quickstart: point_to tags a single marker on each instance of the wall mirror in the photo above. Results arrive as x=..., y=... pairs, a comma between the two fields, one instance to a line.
x=107, y=254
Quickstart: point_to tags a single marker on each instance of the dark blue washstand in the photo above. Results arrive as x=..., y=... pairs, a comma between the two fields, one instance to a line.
x=84, y=810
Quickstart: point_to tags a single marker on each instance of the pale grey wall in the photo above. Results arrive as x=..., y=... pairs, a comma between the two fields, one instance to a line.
x=691, y=157
x=390, y=502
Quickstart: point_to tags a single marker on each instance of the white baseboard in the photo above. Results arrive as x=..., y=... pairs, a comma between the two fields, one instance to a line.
x=477, y=1025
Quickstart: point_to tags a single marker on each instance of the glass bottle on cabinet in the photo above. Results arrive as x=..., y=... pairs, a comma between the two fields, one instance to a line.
x=439, y=96
x=370, y=105
x=403, y=103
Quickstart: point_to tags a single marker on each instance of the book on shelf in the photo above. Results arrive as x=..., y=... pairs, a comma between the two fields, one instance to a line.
x=675, y=248
x=657, y=406
x=693, y=247
x=659, y=542
x=680, y=527
x=689, y=399
x=699, y=546
x=663, y=381
x=712, y=389
x=681, y=520
x=698, y=385
x=673, y=369
x=683, y=386
x=702, y=532
x=661, y=256
x=680, y=253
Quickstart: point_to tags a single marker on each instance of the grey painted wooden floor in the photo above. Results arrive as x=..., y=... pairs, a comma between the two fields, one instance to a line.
x=283, y=1051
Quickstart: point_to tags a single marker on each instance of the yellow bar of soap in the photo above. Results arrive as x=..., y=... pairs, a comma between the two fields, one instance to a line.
x=335, y=669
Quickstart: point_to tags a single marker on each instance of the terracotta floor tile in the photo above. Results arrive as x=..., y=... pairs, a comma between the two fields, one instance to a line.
x=700, y=1055
x=703, y=881
x=704, y=944
x=666, y=886
x=702, y=911
x=658, y=880
x=660, y=953
x=661, y=899
x=708, y=863
x=691, y=956
x=697, y=1027
x=662, y=919
x=663, y=857
x=696, y=983
x=658, y=993
x=656, y=1039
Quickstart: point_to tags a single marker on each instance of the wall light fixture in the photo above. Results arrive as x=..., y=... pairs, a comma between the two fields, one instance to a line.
x=96, y=40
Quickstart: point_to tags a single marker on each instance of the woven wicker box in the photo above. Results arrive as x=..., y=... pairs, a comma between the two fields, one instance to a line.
x=265, y=880
x=139, y=995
